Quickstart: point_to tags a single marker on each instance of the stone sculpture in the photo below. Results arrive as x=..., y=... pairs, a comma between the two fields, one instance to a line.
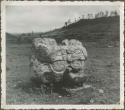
x=54, y=63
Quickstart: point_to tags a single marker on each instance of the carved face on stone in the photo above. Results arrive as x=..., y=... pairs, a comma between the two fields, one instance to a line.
x=70, y=56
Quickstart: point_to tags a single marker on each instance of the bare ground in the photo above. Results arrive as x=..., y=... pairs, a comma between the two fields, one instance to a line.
x=102, y=68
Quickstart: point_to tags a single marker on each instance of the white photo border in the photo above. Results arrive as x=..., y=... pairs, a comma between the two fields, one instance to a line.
x=3, y=55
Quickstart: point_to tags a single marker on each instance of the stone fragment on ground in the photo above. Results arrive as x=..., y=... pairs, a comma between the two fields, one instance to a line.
x=101, y=91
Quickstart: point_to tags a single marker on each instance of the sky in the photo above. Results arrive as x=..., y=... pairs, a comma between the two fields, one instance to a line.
x=42, y=18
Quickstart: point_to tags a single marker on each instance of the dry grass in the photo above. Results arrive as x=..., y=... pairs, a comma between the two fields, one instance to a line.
x=103, y=74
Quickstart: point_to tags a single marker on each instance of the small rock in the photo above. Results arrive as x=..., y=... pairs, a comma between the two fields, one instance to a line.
x=87, y=86
x=101, y=91
x=92, y=101
x=60, y=96
x=68, y=95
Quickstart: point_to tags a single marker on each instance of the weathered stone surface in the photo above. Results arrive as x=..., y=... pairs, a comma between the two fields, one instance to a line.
x=51, y=61
x=43, y=48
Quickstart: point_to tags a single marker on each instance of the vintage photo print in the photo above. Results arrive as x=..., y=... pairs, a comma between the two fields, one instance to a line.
x=62, y=55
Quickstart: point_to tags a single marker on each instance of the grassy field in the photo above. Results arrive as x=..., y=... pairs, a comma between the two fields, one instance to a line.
x=103, y=82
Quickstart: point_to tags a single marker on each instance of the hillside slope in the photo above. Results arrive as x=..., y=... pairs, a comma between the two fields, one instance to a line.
x=101, y=30
x=10, y=38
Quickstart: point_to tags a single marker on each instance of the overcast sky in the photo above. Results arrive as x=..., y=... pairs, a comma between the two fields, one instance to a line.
x=23, y=19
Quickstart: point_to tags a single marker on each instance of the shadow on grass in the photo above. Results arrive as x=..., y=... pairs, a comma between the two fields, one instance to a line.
x=34, y=85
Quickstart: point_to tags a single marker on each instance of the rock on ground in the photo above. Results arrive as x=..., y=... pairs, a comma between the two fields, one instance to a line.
x=54, y=63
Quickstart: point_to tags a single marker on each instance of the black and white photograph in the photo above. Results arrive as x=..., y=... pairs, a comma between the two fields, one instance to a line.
x=62, y=55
